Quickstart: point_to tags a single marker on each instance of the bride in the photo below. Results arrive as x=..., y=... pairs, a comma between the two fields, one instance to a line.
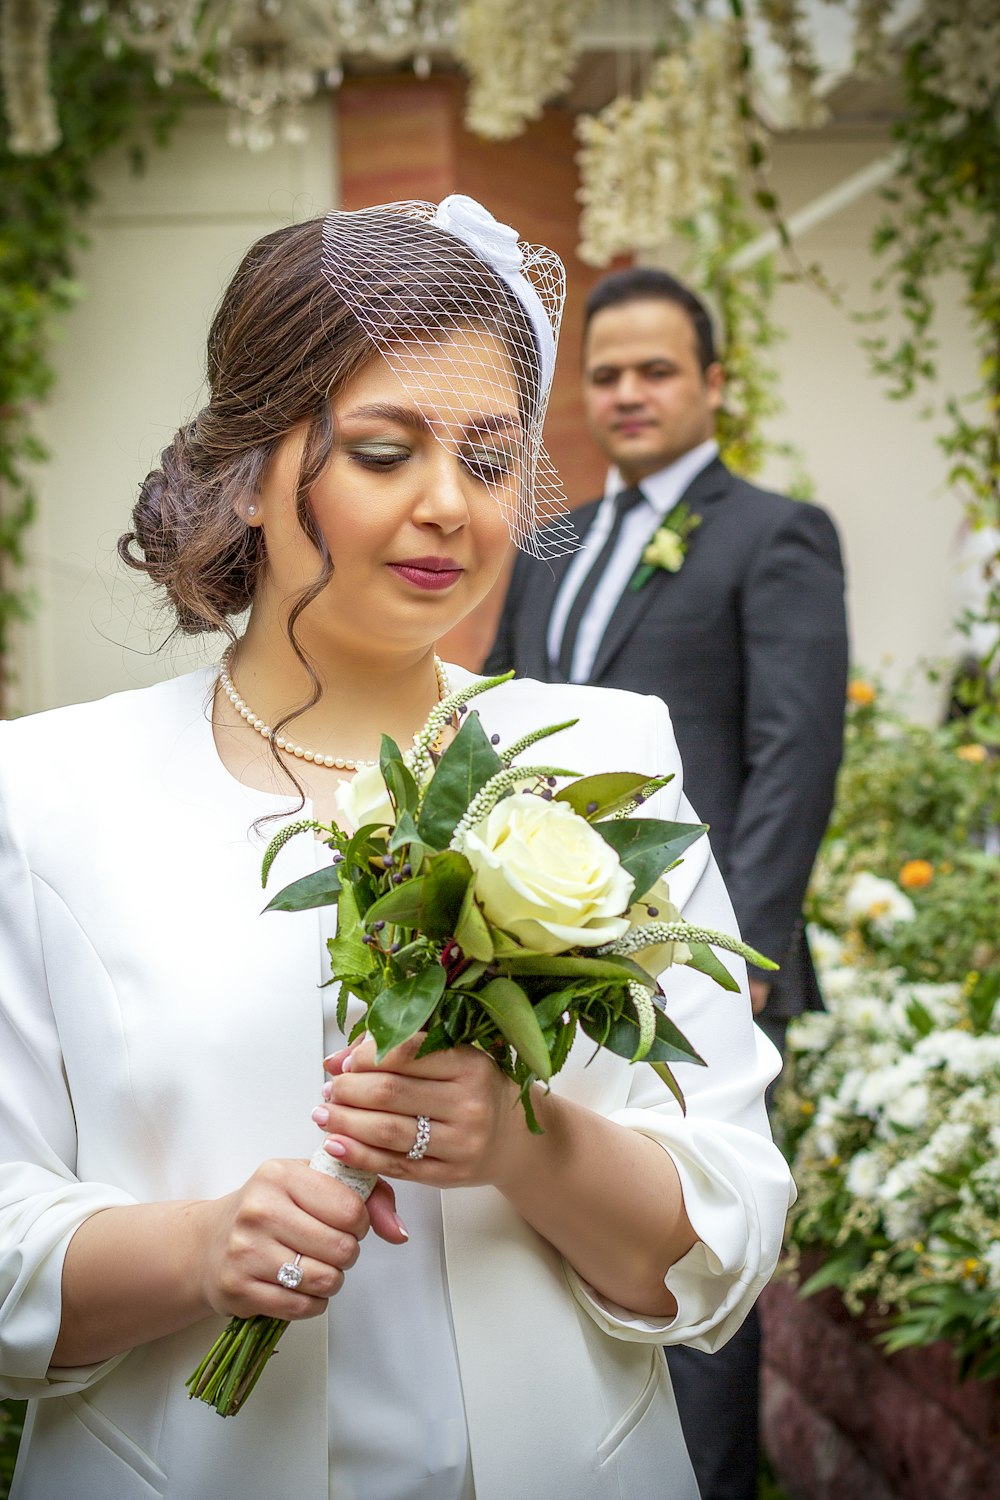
x=490, y=1323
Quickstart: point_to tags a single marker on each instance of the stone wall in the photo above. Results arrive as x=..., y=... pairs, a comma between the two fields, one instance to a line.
x=843, y=1422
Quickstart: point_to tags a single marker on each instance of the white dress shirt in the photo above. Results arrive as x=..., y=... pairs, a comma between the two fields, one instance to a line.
x=661, y=492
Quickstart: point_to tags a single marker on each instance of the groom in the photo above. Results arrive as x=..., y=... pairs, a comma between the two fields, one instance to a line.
x=736, y=619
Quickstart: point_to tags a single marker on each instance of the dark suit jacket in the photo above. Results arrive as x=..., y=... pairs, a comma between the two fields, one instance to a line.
x=747, y=645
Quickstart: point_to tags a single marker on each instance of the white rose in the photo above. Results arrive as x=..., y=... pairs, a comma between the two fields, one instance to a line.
x=546, y=877
x=656, y=906
x=470, y=222
x=363, y=800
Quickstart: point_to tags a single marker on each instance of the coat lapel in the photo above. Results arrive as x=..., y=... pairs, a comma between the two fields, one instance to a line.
x=705, y=489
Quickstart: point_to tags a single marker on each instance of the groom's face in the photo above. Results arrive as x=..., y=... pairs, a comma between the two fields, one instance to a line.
x=648, y=400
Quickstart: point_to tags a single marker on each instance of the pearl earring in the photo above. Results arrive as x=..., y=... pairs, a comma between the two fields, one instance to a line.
x=251, y=509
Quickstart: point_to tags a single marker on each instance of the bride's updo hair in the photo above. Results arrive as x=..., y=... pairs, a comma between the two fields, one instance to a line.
x=282, y=345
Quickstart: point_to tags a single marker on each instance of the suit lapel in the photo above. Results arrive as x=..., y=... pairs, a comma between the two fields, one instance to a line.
x=705, y=489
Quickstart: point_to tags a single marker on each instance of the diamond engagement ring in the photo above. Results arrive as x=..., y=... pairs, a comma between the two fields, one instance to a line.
x=418, y=1150
x=290, y=1274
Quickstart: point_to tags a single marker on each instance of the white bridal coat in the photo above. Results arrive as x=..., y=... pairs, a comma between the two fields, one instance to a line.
x=159, y=1038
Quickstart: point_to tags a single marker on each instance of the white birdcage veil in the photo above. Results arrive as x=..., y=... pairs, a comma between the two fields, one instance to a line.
x=410, y=305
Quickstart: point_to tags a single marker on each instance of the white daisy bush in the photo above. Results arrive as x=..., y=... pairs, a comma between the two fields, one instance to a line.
x=889, y=1111
x=889, y=1108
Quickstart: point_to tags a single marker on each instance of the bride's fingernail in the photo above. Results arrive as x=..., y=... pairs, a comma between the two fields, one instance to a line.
x=345, y=1066
x=402, y=1228
x=327, y=1091
x=335, y=1148
x=321, y=1116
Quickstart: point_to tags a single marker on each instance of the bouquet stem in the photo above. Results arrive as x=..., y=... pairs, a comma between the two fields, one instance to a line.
x=237, y=1359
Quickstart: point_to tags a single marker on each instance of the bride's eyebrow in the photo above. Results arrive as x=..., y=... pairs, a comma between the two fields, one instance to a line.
x=498, y=422
x=387, y=411
x=481, y=424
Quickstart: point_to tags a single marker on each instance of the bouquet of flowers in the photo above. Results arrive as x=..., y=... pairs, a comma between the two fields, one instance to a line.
x=481, y=903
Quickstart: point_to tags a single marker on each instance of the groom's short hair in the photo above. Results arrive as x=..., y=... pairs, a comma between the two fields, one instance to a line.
x=646, y=283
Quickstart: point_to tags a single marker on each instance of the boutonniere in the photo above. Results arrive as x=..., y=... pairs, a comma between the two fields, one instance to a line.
x=667, y=547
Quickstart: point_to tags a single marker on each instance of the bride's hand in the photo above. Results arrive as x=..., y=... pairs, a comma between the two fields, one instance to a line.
x=477, y=1127
x=286, y=1209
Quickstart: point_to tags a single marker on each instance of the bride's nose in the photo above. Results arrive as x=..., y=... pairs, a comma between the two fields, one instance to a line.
x=443, y=499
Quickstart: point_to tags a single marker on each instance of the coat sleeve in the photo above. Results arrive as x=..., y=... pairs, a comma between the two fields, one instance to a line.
x=42, y=1203
x=795, y=664
x=737, y=1186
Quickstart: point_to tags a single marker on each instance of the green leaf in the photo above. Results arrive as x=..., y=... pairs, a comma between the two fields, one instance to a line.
x=400, y=905
x=920, y=1018
x=665, y=1076
x=463, y=770
x=472, y=933
x=321, y=888
x=621, y=1036
x=571, y=965
x=611, y=790
x=403, y=791
x=509, y=1008
x=405, y=839
x=706, y=962
x=447, y=877
x=646, y=846
x=431, y=901
x=400, y=1011
x=350, y=957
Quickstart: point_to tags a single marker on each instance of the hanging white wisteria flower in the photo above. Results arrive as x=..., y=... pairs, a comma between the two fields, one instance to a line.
x=518, y=54
x=650, y=161
x=872, y=53
x=33, y=126
x=965, y=43
x=786, y=24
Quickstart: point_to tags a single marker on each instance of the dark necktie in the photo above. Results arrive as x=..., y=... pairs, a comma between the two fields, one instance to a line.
x=625, y=501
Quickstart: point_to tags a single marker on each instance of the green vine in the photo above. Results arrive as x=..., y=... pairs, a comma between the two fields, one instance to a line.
x=45, y=199
x=943, y=215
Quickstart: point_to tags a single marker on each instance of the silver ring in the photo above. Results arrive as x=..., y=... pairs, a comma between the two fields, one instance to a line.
x=418, y=1150
x=290, y=1274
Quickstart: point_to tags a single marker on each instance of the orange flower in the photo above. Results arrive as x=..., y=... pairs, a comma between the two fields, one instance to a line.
x=974, y=754
x=860, y=693
x=915, y=874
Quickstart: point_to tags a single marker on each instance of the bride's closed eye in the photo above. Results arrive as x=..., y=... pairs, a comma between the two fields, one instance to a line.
x=491, y=465
x=378, y=455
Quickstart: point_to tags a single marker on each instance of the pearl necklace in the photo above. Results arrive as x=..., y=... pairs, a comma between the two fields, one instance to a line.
x=281, y=742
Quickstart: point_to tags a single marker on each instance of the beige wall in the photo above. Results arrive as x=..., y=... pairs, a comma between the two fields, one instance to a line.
x=129, y=372
x=875, y=464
